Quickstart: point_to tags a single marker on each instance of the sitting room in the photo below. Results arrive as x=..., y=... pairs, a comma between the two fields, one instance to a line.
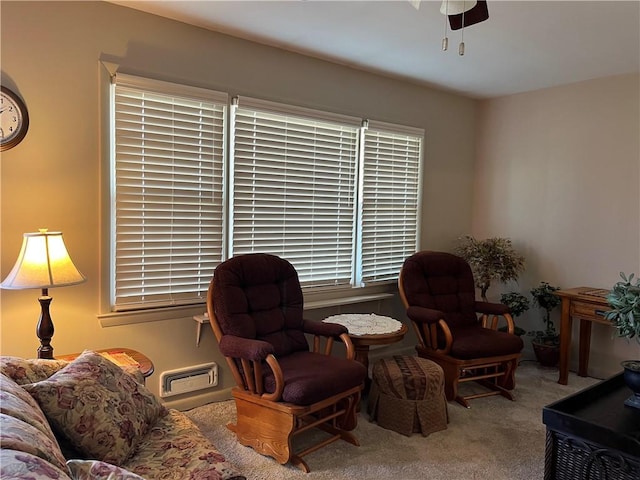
x=343, y=138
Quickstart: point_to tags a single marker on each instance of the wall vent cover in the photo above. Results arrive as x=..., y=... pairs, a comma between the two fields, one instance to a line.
x=188, y=379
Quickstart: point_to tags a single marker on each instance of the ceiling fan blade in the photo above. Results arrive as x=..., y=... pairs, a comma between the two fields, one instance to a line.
x=479, y=13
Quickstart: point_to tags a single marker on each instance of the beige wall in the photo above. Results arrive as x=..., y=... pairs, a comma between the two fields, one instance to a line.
x=51, y=54
x=558, y=172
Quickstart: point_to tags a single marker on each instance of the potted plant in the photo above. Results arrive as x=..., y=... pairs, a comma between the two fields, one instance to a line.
x=624, y=299
x=518, y=304
x=546, y=343
x=490, y=259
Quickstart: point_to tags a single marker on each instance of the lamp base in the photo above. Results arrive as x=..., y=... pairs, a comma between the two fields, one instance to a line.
x=44, y=329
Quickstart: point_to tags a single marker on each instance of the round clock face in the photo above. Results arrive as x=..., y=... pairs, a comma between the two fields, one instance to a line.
x=14, y=119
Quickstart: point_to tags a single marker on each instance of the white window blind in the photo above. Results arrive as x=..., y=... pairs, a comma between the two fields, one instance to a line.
x=168, y=159
x=293, y=188
x=390, y=199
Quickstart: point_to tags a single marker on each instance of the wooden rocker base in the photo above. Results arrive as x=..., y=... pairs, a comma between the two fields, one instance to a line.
x=496, y=374
x=493, y=390
x=269, y=427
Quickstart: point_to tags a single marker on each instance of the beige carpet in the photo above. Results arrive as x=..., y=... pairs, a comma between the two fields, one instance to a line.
x=495, y=439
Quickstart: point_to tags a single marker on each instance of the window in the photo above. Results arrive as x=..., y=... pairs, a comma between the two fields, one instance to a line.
x=293, y=188
x=390, y=200
x=166, y=193
x=335, y=195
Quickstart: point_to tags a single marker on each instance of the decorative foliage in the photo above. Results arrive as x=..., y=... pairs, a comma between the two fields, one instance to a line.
x=544, y=297
x=624, y=299
x=490, y=259
x=517, y=303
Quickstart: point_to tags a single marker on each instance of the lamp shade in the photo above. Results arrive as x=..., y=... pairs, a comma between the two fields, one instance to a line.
x=43, y=262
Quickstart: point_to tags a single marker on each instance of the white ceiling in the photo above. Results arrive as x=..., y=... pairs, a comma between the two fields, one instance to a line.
x=525, y=45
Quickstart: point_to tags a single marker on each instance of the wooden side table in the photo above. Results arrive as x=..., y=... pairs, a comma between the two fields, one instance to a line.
x=362, y=342
x=587, y=304
x=122, y=357
x=383, y=331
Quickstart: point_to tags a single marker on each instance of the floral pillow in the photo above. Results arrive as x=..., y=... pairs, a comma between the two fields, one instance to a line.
x=97, y=470
x=22, y=370
x=102, y=410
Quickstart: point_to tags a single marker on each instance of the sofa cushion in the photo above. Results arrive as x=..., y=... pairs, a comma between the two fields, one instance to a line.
x=16, y=402
x=15, y=465
x=97, y=470
x=23, y=426
x=20, y=436
x=23, y=371
x=175, y=445
x=102, y=410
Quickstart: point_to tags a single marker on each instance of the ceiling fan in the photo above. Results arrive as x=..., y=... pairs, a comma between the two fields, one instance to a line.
x=461, y=14
x=464, y=13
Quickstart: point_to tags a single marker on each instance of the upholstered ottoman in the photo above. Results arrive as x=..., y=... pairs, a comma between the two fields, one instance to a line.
x=407, y=395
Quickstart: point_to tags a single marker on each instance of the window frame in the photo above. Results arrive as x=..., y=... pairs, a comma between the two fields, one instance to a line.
x=151, y=87
x=331, y=137
x=413, y=140
x=315, y=297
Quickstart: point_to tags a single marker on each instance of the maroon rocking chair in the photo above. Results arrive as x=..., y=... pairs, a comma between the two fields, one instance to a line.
x=454, y=330
x=283, y=388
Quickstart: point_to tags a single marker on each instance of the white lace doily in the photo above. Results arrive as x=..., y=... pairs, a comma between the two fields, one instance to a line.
x=365, y=323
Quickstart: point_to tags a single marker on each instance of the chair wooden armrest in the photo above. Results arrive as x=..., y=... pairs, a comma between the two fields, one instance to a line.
x=493, y=321
x=491, y=314
x=424, y=315
x=491, y=308
x=427, y=334
x=250, y=377
x=328, y=345
x=244, y=348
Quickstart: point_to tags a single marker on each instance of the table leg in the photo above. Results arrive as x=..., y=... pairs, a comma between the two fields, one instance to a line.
x=565, y=341
x=362, y=356
x=585, y=342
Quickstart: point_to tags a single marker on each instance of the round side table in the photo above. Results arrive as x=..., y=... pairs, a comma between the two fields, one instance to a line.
x=121, y=357
x=367, y=329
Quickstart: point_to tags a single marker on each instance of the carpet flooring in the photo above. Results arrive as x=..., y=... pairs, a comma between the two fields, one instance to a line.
x=495, y=439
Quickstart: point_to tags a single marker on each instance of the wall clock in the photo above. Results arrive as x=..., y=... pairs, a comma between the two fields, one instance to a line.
x=14, y=119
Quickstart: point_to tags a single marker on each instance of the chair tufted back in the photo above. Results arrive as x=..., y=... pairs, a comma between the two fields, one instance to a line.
x=258, y=296
x=441, y=281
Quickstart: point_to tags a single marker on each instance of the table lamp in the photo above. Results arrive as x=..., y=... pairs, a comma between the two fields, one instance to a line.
x=43, y=263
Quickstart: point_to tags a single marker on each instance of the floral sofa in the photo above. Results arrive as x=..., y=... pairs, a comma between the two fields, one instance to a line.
x=90, y=419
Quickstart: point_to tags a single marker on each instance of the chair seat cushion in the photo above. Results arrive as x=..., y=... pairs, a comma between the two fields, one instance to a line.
x=478, y=342
x=311, y=377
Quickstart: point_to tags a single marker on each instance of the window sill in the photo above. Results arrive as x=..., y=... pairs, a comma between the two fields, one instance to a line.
x=336, y=302
x=115, y=319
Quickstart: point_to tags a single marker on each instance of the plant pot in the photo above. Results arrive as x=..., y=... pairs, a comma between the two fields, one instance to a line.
x=632, y=379
x=547, y=351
